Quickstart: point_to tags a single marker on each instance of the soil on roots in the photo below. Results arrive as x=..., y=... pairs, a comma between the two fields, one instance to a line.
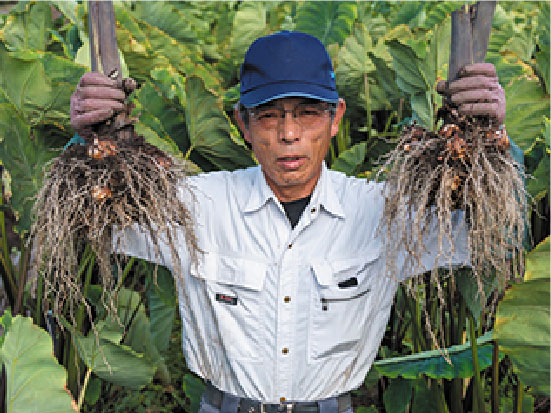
x=92, y=190
x=466, y=166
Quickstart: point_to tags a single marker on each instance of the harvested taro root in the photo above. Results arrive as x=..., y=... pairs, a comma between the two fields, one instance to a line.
x=114, y=181
x=466, y=166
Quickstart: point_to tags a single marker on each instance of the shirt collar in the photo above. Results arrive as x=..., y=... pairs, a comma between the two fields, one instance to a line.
x=324, y=194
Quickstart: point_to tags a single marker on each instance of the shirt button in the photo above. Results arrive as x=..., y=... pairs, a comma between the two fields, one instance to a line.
x=313, y=210
x=287, y=299
x=282, y=399
x=284, y=350
x=290, y=246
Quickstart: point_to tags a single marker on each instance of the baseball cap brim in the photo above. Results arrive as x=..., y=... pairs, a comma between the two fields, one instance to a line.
x=267, y=92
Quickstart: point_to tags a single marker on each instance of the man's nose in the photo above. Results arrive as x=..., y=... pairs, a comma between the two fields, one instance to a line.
x=290, y=128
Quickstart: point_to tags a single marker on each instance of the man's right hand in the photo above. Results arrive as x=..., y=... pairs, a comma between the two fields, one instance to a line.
x=96, y=99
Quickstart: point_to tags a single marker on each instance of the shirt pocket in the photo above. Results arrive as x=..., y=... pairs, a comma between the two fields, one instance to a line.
x=340, y=305
x=234, y=288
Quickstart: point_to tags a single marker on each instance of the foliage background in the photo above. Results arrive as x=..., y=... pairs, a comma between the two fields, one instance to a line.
x=388, y=57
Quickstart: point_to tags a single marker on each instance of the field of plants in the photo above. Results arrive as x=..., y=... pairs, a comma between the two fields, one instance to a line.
x=185, y=56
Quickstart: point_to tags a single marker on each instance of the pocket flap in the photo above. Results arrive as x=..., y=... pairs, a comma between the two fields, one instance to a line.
x=330, y=273
x=230, y=270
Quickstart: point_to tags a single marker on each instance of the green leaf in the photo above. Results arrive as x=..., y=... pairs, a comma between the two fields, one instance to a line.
x=28, y=29
x=162, y=308
x=24, y=157
x=124, y=366
x=365, y=409
x=538, y=186
x=409, y=76
x=5, y=322
x=425, y=399
x=421, y=104
x=34, y=379
x=93, y=391
x=209, y=128
x=537, y=262
x=193, y=387
x=331, y=22
x=468, y=288
x=398, y=395
x=432, y=363
x=249, y=23
x=522, y=332
x=351, y=159
x=527, y=107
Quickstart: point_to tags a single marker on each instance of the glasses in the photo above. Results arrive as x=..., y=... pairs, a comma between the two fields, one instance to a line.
x=306, y=114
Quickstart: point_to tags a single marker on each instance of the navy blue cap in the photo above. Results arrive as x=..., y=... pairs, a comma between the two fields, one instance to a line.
x=287, y=64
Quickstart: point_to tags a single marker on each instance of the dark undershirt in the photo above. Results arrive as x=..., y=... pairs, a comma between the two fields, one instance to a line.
x=294, y=209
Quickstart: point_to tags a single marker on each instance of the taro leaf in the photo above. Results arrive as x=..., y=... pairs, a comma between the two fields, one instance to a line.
x=527, y=106
x=542, y=55
x=351, y=159
x=93, y=391
x=537, y=262
x=166, y=17
x=432, y=364
x=249, y=23
x=193, y=387
x=163, y=117
x=125, y=367
x=468, y=288
x=438, y=12
x=28, y=30
x=422, y=109
x=331, y=22
x=539, y=185
x=5, y=321
x=209, y=129
x=356, y=61
x=24, y=156
x=366, y=409
x=398, y=395
x=162, y=308
x=522, y=332
x=408, y=67
x=425, y=399
x=35, y=381
x=439, y=50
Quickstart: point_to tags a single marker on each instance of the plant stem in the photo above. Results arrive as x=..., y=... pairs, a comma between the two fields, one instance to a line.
x=367, y=106
x=125, y=272
x=495, y=378
x=519, y=393
x=478, y=391
x=83, y=390
x=7, y=274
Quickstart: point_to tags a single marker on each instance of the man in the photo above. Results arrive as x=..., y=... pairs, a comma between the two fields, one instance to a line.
x=287, y=303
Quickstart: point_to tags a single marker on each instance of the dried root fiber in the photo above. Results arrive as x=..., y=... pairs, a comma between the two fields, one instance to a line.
x=91, y=189
x=466, y=166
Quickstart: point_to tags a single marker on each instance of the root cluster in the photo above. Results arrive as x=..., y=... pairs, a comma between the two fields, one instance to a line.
x=465, y=166
x=92, y=189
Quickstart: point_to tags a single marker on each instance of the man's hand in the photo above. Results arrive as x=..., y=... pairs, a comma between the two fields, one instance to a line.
x=477, y=91
x=97, y=98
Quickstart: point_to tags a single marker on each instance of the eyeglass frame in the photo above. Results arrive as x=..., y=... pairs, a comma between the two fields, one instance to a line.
x=246, y=112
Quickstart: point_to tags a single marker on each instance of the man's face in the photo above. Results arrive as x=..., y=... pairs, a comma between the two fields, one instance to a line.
x=291, y=150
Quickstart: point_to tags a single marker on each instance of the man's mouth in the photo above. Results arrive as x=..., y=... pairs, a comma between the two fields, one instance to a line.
x=291, y=162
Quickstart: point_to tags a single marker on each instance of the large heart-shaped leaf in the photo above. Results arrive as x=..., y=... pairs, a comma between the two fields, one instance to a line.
x=522, y=323
x=24, y=156
x=432, y=364
x=350, y=160
x=209, y=129
x=34, y=380
x=527, y=107
x=249, y=23
x=28, y=29
x=329, y=21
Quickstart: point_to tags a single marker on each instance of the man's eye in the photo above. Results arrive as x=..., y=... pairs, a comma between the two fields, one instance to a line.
x=268, y=114
x=309, y=111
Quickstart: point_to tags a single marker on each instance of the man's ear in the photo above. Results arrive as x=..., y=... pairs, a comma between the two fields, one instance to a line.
x=341, y=108
x=241, y=123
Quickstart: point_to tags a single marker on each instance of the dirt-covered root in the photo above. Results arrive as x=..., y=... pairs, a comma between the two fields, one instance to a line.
x=90, y=190
x=466, y=166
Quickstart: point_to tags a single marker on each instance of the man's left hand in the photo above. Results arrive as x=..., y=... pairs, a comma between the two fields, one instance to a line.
x=477, y=91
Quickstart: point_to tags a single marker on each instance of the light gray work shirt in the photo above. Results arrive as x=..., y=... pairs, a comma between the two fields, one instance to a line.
x=264, y=316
